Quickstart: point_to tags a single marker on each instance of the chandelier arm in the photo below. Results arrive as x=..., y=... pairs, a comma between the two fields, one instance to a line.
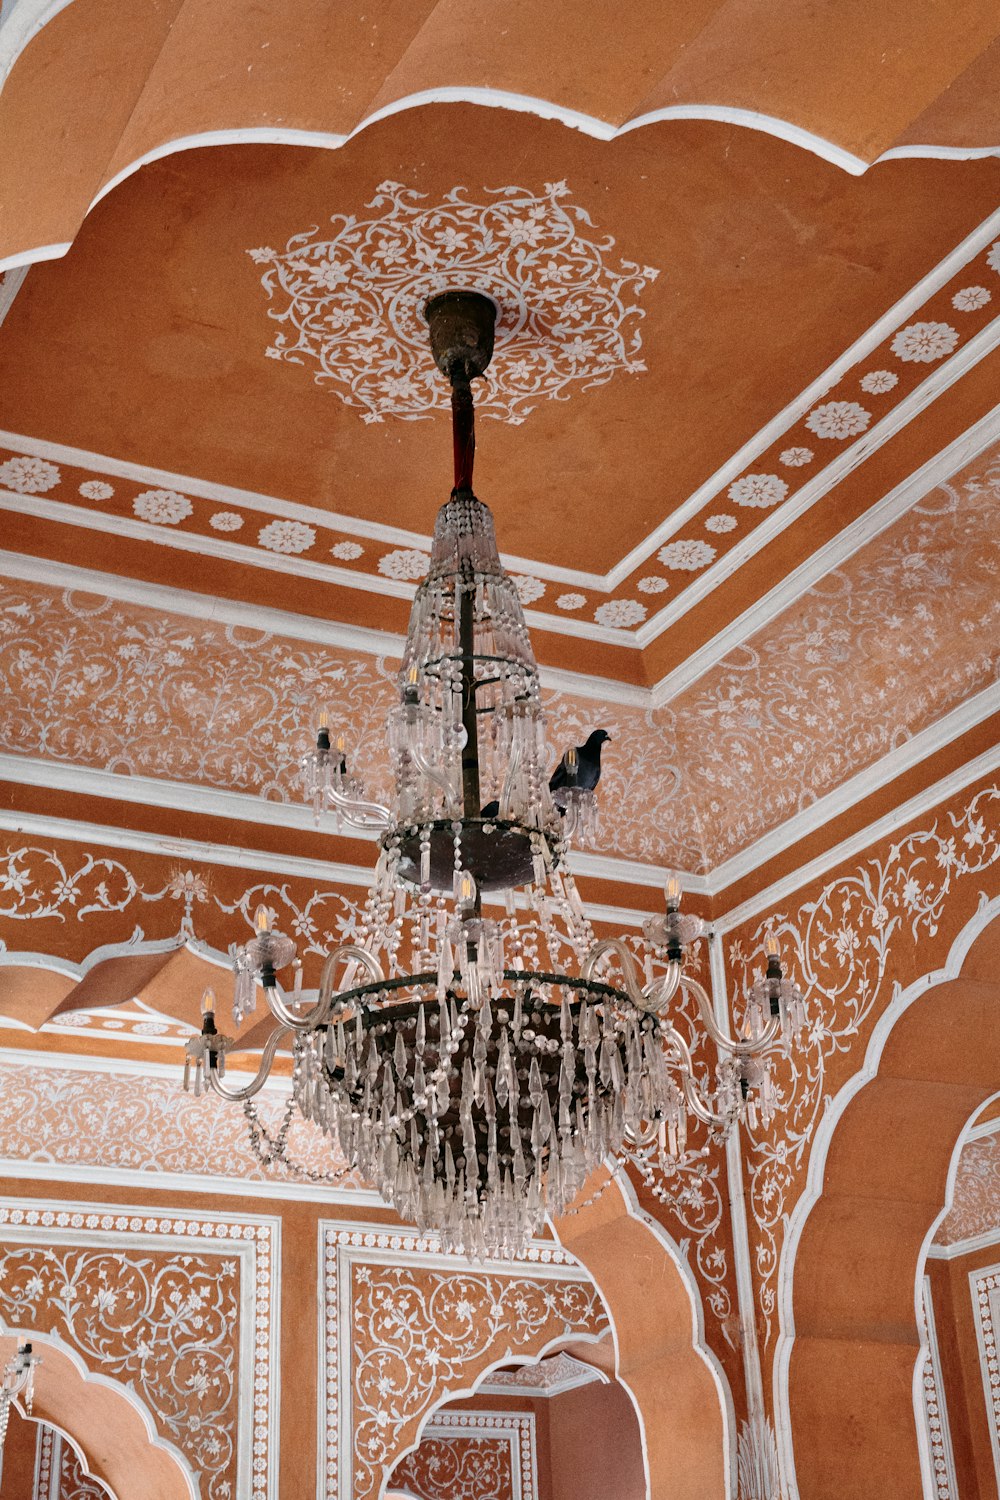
x=695, y=1103
x=432, y=773
x=320, y=1013
x=720, y=1037
x=359, y=813
x=239, y=1096
x=635, y=991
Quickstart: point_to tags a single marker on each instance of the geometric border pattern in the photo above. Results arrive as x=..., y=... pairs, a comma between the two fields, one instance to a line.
x=934, y=1406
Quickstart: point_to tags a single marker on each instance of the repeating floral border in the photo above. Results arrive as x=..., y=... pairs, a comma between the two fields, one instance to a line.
x=984, y=1286
x=59, y=1475
x=387, y=1296
x=184, y=1280
x=935, y=1409
x=312, y=293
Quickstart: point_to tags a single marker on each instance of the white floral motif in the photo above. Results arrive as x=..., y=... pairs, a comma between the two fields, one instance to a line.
x=96, y=489
x=225, y=520
x=347, y=551
x=993, y=259
x=922, y=343
x=528, y=589
x=759, y=491
x=688, y=555
x=652, y=585
x=351, y=304
x=162, y=507
x=29, y=476
x=796, y=458
x=877, y=382
x=404, y=563
x=571, y=601
x=721, y=523
x=838, y=419
x=620, y=612
x=971, y=298
x=286, y=536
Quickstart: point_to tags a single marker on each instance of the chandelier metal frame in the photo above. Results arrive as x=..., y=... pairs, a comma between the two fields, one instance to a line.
x=476, y=1067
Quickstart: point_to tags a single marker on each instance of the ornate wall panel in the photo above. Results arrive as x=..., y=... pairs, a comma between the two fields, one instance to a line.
x=853, y=941
x=182, y=1310
x=59, y=1474
x=471, y=1456
x=403, y=1327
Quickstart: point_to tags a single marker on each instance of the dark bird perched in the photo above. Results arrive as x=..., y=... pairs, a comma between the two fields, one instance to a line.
x=580, y=767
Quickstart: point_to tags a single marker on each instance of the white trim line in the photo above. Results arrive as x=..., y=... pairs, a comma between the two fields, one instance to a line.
x=278, y=622
x=957, y=1248
x=881, y=773
x=327, y=870
x=802, y=500
x=759, y=617
x=12, y=284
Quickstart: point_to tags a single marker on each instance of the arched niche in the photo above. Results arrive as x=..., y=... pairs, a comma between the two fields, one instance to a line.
x=882, y=1167
x=678, y=1389
x=104, y=1422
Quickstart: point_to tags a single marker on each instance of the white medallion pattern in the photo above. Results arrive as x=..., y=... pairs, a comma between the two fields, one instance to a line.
x=286, y=536
x=620, y=612
x=935, y=1408
x=985, y=1289
x=971, y=298
x=877, y=382
x=226, y=520
x=96, y=489
x=350, y=303
x=758, y=491
x=796, y=458
x=838, y=419
x=162, y=507
x=29, y=476
x=923, y=343
x=686, y=556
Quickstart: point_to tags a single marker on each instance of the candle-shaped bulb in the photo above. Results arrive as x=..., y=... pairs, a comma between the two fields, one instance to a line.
x=262, y=919
x=772, y=948
x=340, y=743
x=324, y=719
x=413, y=676
x=572, y=761
x=672, y=890
x=466, y=889
x=208, y=1003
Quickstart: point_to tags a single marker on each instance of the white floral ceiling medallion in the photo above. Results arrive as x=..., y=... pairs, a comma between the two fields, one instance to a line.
x=351, y=303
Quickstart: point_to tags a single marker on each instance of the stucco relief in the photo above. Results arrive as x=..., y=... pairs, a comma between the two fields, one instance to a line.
x=179, y=1309
x=349, y=305
x=405, y=1327
x=126, y=1121
x=975, y=1208
x=984, y=1287
x=471, y=1456
x=848, y=947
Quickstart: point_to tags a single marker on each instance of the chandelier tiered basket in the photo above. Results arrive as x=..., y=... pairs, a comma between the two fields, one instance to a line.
x=477, y=1053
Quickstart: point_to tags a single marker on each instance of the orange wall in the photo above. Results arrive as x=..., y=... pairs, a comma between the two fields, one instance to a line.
x=595, y=1447
x=968, y=1417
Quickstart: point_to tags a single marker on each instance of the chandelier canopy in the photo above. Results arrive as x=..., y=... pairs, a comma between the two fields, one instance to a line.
x=476, y=1053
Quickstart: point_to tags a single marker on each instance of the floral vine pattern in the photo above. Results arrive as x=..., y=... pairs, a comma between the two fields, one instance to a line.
x=141, y=1300
x=975, y=1207
x=839, y=946
x=416, y=1326
x=351, y=304
x=124, y=1122
x=471, y=1456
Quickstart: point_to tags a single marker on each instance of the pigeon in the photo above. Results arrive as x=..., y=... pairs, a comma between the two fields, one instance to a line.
x=588, y=764
x=588, y=771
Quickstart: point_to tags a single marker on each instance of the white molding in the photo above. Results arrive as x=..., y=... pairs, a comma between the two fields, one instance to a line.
x=813, y=1189
x=507, y=1384
x=319, y=632
x=987, y=1314
x=240, y=857
x=880, y=774
x=12, y=284
x=757, y=618
x=969, y=1246
x=815, y=489
x=513, y=1427
x=938, y=1485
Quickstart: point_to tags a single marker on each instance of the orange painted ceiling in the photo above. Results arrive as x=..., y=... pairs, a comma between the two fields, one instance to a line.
x=739, y=433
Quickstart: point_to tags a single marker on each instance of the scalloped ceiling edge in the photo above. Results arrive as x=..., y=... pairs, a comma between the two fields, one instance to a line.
x=786, y=130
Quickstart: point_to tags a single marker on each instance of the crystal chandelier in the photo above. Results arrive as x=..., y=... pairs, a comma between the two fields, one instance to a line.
x=475, y=1054
x=18, y=1382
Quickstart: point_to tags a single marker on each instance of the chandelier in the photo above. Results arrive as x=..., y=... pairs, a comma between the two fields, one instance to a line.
x=476, y=1053
x=17, y=1382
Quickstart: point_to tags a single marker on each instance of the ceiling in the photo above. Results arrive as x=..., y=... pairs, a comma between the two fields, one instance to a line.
x=739, y=434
